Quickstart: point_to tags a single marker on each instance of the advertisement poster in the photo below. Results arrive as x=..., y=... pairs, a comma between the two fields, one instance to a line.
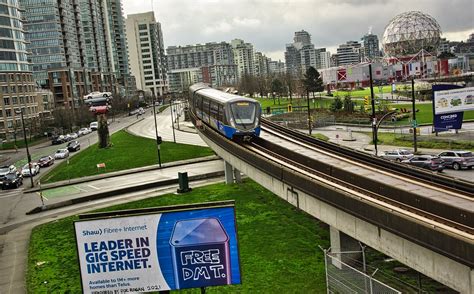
x=454, y=100
x=445, y=115
x=158, y=251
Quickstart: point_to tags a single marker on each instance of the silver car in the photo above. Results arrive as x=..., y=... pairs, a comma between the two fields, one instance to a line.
x=35, y=169
x=61, y=154
x=458, y=159
x=397, y=155
x=7, y=169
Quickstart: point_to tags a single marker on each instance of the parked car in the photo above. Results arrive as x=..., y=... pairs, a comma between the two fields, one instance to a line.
x=46, y=161
x=58, y=140
x=99, y=109
x=397, y=155
x=73, y=136
x=83, y=131
x=73, y=146
x=11, y=180
x=97, y=95
x=433, y=163
x=35, y=169
x=458, y=159
x=61, y=154
x=7, y=169
x=94, y=125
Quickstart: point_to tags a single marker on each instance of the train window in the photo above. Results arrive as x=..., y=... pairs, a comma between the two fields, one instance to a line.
x=205, y=105
x=214, y=110
x=220, y=114
x=243, y=112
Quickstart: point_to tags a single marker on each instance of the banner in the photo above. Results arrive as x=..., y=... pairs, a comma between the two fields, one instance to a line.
x=172, y=250
x=455, y=100
x=445, y=117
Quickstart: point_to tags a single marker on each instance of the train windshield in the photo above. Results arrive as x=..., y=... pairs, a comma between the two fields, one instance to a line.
x=244, y=113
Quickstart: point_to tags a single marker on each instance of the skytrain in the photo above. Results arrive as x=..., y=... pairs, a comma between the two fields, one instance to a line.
x=234, y=116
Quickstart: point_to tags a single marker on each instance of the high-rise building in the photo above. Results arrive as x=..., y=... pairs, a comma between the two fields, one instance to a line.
x=243, y=57
x=114, y=24
x=370, y=44
x=277, y=67
x=17, y=88
x=301, y=54
x=302, y=37
x=147, y=53
x=211, y=63
x=348, y=53
x=261, y=64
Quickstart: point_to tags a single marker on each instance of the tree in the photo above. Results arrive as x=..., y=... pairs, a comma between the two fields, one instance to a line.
x=336, y=104
x=277, y=87
x=348, y=104
x=103, y=131
x=312, y=82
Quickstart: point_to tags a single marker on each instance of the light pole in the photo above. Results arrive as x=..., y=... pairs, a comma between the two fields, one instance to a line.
x=172, y=120
x=20, y=111
x=158, y=138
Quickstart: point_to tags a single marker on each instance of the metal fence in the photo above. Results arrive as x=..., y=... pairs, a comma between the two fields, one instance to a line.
x=343, y=278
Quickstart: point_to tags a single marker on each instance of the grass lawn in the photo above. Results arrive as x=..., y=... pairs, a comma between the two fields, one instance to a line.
x=425, y=113
x=128, y=151
x=278, y=244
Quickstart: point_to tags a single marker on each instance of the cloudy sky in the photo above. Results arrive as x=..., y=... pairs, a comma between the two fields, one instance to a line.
x=270, y=24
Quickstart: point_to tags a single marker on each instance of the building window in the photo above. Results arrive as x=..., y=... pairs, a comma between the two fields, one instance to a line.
x=8, y=112
x=6, y=101
x=142, y=27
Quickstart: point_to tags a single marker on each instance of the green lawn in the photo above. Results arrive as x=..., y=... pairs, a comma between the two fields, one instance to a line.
x=128, y=151
x=278, y=244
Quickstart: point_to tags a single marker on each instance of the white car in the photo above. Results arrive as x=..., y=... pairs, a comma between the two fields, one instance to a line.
x=35, y=169
x=92, y=95
x=397, y=155
x=73, y=136
x=94, y=126
x=7, y=169
x=61, y=154
x=83, y=131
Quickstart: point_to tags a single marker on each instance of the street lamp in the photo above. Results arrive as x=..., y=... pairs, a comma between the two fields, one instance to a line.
x=20, y=111
x=158, y=138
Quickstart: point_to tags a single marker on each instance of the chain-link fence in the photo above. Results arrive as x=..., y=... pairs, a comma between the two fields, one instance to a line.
x=343, y=278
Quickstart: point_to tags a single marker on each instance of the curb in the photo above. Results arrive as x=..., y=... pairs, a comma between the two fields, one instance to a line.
x=110, y=193
x=120, y=173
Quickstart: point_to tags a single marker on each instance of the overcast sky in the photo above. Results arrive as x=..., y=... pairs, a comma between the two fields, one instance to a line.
x=270, y=24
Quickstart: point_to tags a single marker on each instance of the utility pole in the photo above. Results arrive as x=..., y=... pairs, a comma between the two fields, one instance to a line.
x=158, y=138
x=374, y=119
x=309, y=114
x=26, y=145
x=414, y=123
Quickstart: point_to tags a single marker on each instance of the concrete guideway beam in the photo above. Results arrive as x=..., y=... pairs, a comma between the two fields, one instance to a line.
x=434, y=265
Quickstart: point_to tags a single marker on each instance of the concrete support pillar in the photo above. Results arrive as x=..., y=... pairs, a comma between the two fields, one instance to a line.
x=229, y=175
x=237, y=176
x=346, y=248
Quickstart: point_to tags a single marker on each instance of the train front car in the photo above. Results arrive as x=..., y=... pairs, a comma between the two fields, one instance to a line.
x=244, y=118
x=236, y=117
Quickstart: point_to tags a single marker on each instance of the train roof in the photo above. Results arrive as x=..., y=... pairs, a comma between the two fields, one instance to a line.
x=218, y=95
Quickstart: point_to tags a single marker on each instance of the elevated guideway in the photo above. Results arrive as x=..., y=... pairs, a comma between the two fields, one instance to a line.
x=424, y=224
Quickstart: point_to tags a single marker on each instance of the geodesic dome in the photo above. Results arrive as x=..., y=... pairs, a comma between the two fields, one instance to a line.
x=410, y=32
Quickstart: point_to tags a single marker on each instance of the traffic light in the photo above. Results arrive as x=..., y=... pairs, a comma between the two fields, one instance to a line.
x=290, y=108
x=366, y=100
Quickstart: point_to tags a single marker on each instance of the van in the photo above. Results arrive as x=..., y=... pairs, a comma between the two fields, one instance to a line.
x=93, y=126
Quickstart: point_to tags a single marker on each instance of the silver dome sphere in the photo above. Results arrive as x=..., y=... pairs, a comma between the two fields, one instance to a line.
x=410, y=32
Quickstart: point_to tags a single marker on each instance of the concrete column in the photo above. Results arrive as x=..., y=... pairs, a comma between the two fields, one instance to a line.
x=237, y=176
x=341, y=243
x=229, y=175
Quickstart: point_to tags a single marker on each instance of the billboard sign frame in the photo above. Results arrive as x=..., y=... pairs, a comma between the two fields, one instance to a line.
x=450, y=118
x=158, y=249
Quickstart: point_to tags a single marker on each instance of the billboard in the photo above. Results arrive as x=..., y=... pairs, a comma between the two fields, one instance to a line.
x=454, y=100
x=446, y=113
x=157, y=251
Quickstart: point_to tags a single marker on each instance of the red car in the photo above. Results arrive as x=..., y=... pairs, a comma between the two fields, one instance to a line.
x=99, y=109
x=46, y=161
